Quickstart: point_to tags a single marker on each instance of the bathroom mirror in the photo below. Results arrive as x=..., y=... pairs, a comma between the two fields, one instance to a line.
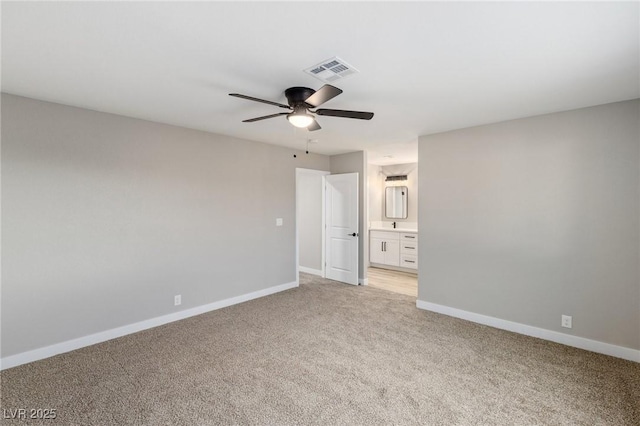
x=395, y=202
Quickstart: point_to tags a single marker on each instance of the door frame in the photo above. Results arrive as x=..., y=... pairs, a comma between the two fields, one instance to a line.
x=301, y=171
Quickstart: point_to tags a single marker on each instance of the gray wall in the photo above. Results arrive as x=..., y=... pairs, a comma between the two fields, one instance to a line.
x=356, y=162
x=105, y=218
x=309, y=198
x=529, y=219
x=375, y=182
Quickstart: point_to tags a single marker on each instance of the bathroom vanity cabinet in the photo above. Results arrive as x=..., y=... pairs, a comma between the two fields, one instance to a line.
x=397, y=248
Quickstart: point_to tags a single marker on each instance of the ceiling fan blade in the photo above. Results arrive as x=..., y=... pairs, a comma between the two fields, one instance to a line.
x=314, y=126
x=264, y=117
x=322, y=95
x=251, y=98
x=360, y=115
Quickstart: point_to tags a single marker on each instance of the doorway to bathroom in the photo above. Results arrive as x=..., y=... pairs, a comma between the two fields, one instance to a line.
x=393, y=227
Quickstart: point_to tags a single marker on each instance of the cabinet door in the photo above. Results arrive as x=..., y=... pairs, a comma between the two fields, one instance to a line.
x=376, y=253
x=392, y=253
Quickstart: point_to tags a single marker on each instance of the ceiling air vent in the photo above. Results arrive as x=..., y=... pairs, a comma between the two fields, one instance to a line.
x=331, y=70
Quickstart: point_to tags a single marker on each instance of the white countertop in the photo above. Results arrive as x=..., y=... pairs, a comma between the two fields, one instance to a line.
x=377, y=228
x=386, y=225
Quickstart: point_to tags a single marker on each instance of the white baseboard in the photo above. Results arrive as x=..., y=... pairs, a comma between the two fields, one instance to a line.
x=363, y=281
x=541, y=333
x=317, y=272
x=92, y=339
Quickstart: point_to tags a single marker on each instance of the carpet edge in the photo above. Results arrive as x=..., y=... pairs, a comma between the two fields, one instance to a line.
x=102, y=336
x=541, y=333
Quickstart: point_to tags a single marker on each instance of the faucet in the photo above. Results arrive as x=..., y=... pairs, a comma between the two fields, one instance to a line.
x=394, y=225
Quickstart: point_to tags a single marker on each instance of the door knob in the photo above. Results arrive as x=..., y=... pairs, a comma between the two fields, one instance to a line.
x=353, y=235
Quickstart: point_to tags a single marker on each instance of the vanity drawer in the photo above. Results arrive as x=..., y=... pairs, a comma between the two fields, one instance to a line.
x=409, y=261
x=408, y=236
x=409, y=247
x=384, y=235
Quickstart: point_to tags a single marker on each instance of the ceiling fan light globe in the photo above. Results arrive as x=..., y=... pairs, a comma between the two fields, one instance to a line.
x=300, y=120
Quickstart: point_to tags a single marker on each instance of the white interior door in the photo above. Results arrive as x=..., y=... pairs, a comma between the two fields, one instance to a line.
x=341, y=201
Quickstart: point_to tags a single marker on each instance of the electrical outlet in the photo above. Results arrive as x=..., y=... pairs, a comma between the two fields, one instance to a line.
x=177, y=300
x=279, y=221
x=566, y=321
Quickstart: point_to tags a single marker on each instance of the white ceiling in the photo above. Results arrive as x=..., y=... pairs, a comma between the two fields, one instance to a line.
x=424, y=67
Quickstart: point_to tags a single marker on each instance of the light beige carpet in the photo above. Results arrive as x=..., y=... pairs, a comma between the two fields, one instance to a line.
x=327, y=353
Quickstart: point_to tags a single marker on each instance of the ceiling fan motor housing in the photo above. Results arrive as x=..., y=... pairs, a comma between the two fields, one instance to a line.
x=297, y=95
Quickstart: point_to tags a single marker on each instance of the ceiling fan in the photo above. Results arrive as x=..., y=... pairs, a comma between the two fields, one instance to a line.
x=301, y=100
